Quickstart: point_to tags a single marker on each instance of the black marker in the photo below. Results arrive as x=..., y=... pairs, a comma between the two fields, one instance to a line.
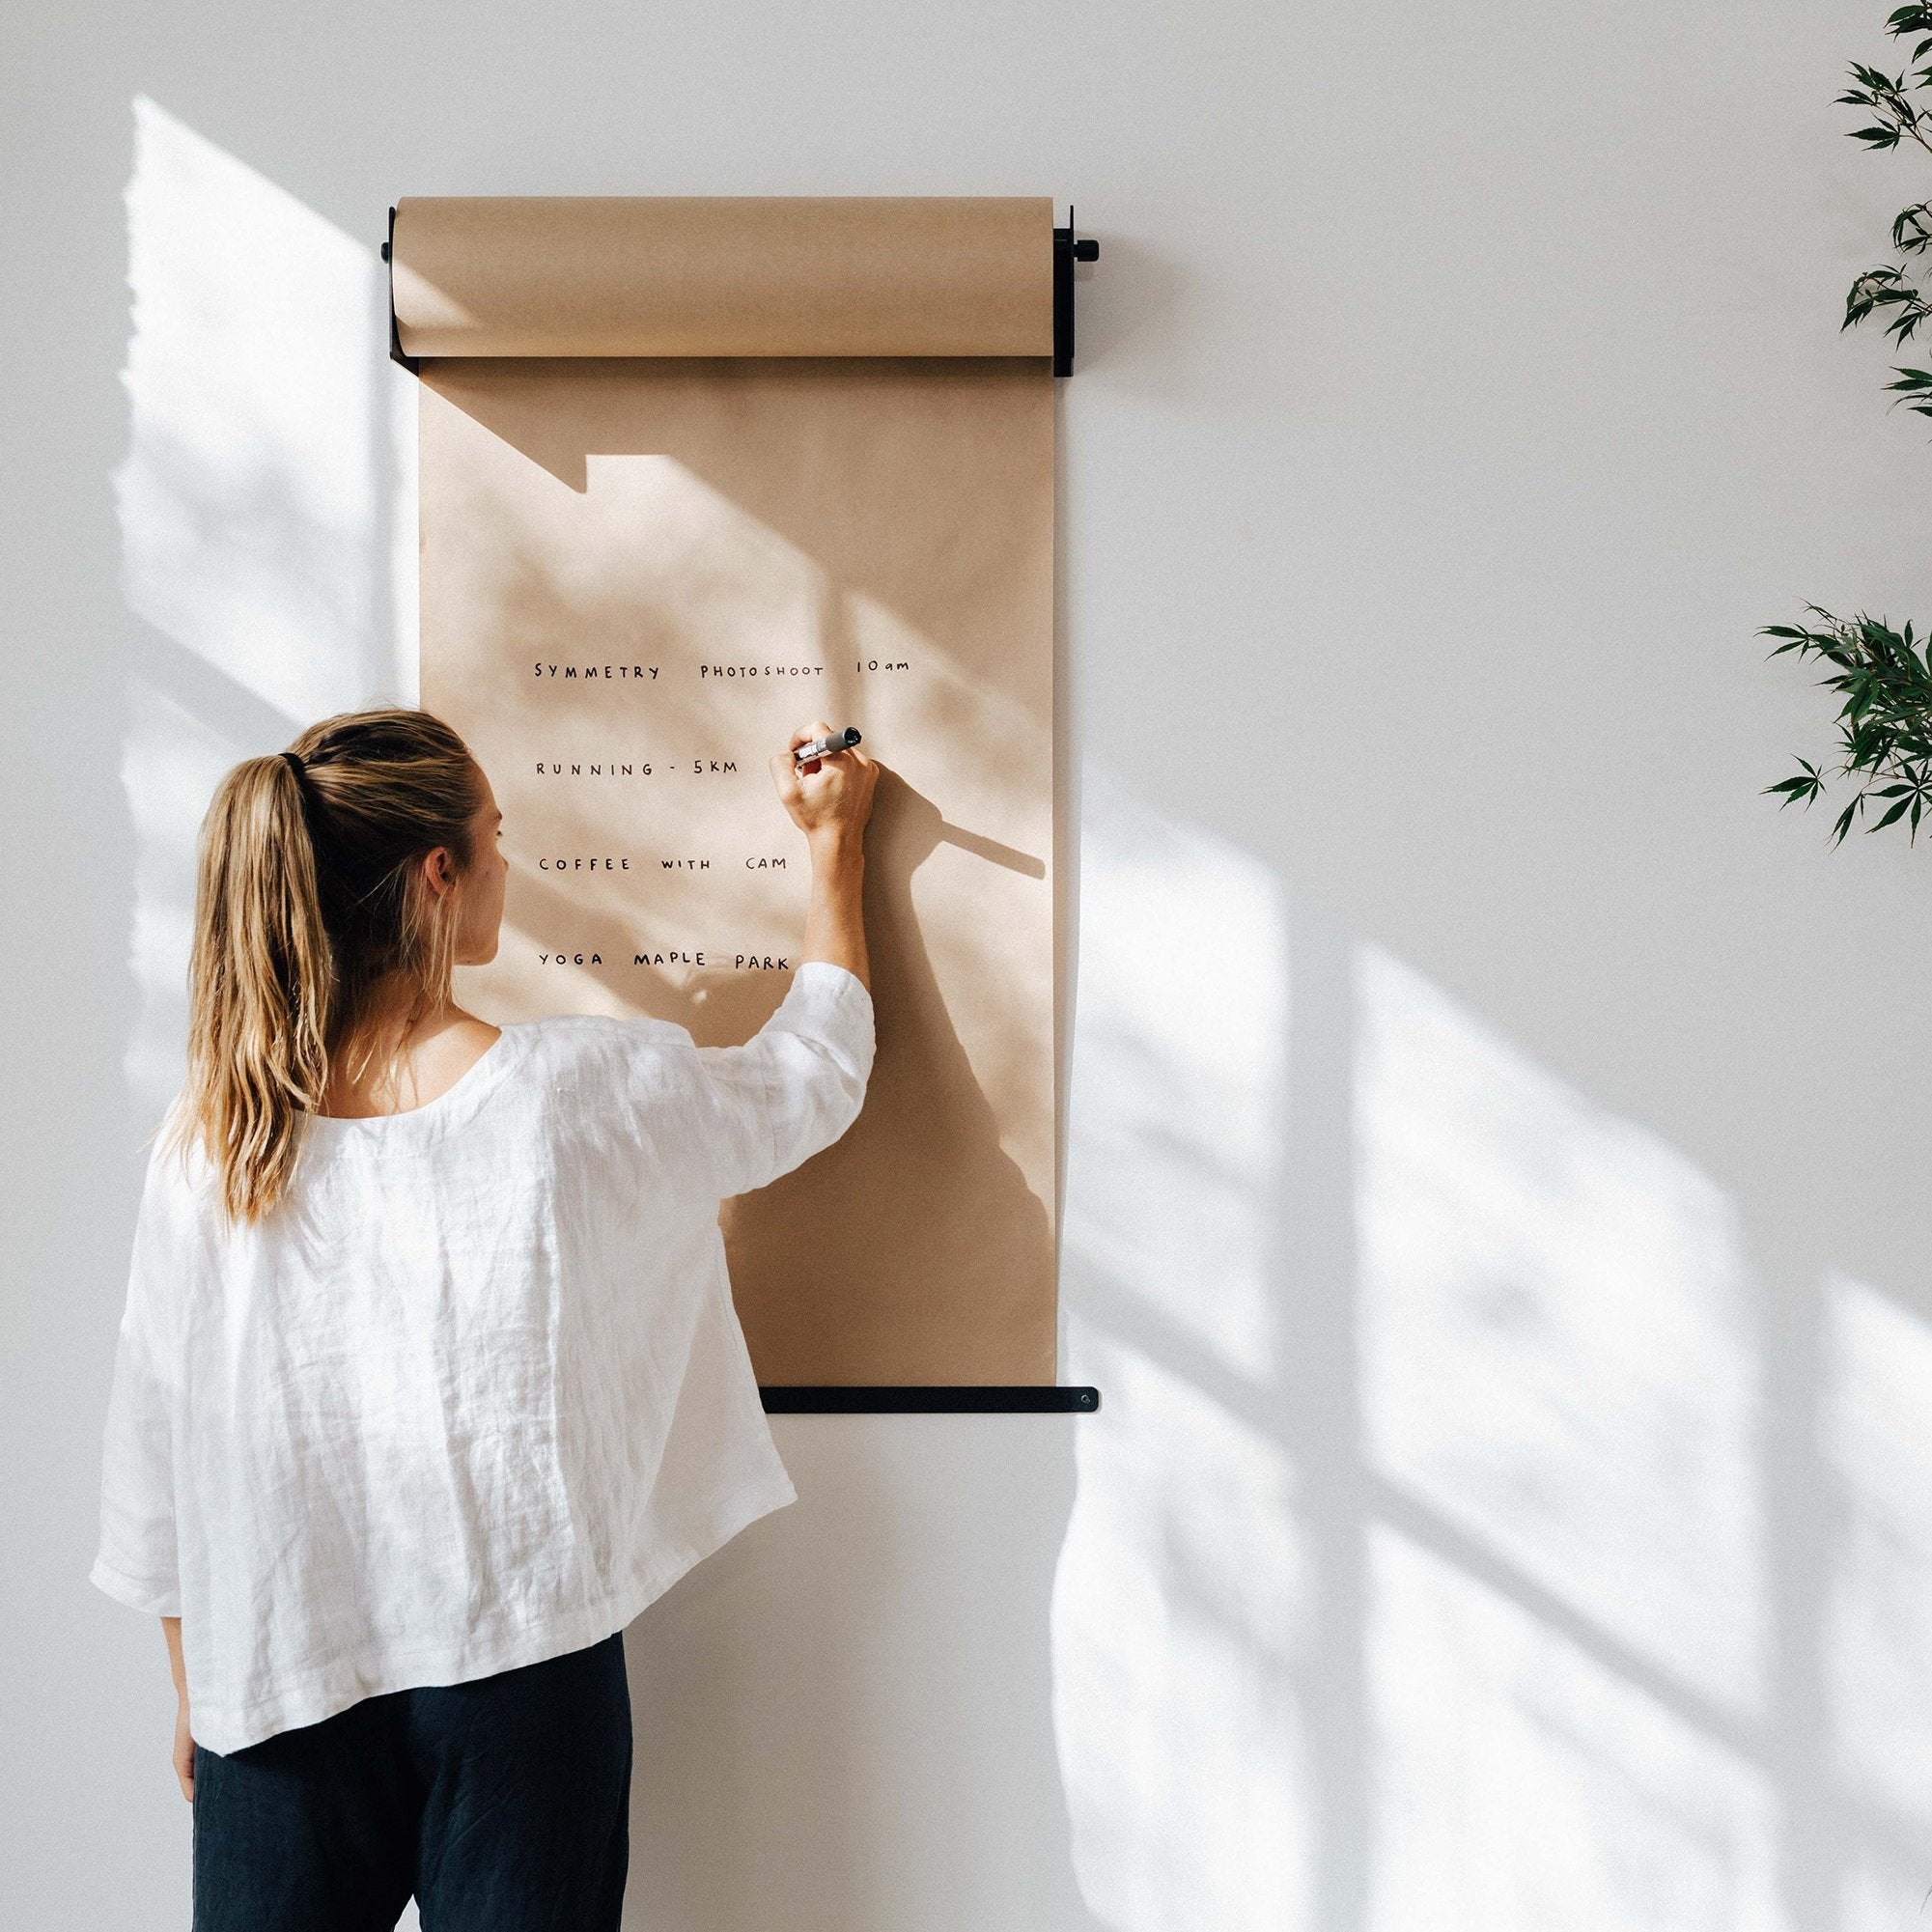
x=824, y=748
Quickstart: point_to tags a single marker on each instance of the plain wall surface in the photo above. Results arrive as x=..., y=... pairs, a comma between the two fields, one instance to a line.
x=1496, y=1183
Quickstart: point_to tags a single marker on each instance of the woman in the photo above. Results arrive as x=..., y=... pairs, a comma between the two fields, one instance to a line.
x=429, y=1379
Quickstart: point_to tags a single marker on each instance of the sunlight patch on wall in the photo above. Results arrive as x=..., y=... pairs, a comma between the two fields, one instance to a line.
x=1544, y=1552
x=1558, y=1350
x=1179, y=1610
x=1179, y=1061
x=1875, y=1433
x=170, y=761
x=258, y=432
x=1178, y=1617
x=266, y=529
x=1523, y=1788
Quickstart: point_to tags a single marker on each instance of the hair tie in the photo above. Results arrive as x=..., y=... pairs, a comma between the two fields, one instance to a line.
x=305, y=795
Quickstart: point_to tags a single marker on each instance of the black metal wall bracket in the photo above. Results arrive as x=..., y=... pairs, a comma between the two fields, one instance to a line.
x=930, y=1399
x=1068, y=248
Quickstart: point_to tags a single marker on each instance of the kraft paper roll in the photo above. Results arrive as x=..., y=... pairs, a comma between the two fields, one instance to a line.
x=696, y=473
x=724, y=276
x=639, y=575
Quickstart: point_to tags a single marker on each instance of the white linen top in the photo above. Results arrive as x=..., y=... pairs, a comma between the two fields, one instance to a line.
x=474, y=1393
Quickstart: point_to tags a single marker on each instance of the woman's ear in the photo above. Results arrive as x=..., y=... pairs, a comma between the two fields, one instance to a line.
x=439, y=871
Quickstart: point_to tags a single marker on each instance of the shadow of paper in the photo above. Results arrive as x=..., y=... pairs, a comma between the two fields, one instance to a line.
x=761, y=434
x=914, y=1240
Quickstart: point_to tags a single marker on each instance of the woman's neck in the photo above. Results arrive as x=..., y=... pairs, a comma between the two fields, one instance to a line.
x=397, y=1057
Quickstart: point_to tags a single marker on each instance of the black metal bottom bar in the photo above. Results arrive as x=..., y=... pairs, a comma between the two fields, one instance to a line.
x=935, y=1399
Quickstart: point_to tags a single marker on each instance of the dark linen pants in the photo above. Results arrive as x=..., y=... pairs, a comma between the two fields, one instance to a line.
x=502, y=1805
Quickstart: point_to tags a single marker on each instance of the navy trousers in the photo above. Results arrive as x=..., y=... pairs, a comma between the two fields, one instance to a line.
x=503, y=1805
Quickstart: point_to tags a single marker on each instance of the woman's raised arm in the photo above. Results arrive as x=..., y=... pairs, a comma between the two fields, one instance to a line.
x=830, y=800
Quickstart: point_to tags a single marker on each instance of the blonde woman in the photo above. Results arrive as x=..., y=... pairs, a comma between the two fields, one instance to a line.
x=429, y=1379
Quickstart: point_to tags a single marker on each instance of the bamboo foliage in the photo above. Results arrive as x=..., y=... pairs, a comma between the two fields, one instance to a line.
x=1883, y=677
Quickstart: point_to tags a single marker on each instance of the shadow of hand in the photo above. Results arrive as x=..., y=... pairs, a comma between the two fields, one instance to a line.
x=903, y=832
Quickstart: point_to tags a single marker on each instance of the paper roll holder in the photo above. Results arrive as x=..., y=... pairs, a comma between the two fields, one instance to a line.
x=929, y=1399
x=1068, y=248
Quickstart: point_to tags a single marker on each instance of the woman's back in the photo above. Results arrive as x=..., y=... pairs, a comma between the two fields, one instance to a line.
x=430, y=1378
x=473, y=1393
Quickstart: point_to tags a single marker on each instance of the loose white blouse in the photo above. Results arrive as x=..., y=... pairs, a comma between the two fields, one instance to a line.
x=474, y=1393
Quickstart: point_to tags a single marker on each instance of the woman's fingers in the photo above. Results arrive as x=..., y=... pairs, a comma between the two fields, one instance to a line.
x=810, y=734
x=823, y=791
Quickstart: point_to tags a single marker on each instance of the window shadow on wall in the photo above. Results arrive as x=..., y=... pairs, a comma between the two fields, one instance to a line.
x=1476, y=1532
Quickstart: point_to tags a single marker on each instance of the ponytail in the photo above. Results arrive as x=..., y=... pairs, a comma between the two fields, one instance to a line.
x=308, y=899
x=259, y=985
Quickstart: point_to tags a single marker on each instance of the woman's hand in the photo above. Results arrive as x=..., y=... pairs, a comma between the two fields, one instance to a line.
x=183, y=1750
x=178, y=1670
x=827, y=797
x=830, y=800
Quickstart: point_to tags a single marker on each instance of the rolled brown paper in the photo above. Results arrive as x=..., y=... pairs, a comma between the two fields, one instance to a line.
x=692, y=471
x=724, y=276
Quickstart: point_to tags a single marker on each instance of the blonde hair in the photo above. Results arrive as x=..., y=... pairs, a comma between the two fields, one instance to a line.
x=309, y=896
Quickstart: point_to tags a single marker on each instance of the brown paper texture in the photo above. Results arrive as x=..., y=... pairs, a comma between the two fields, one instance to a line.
x=637, y=577
x=714, y=275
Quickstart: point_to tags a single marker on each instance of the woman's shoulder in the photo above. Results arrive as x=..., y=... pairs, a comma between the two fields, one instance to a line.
x=583, y=1040
x=578, y=1062
x=181, y=1210
x=569, y=1031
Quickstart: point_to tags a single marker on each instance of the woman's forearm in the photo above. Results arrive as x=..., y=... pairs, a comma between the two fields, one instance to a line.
x=835, y=924
x=830, y=800
x=183, y=1750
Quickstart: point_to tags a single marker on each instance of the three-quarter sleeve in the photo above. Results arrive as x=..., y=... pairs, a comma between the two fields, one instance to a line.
x=137, y=1562
x=795, y=1086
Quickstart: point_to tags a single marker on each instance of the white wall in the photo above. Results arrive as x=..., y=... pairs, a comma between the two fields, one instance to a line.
x=1495, y=1199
